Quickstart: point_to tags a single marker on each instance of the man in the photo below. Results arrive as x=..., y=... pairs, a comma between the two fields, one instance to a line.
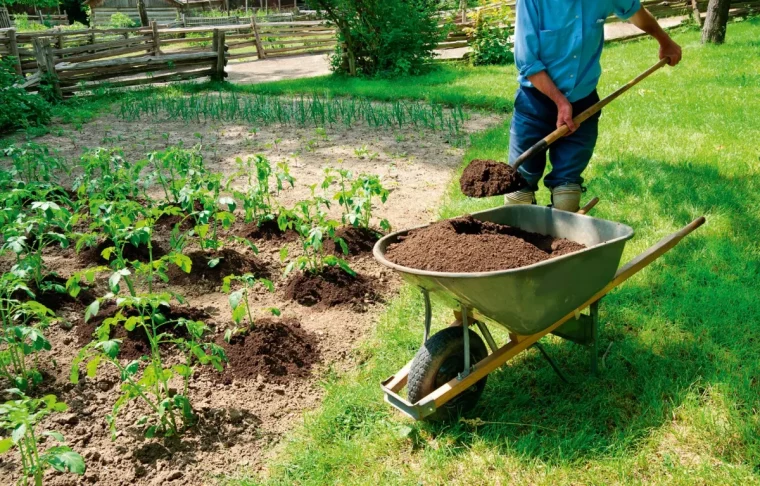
x=558, y=44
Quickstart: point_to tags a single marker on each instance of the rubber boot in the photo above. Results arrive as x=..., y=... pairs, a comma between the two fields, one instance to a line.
x=523, y=196
x=567, y=197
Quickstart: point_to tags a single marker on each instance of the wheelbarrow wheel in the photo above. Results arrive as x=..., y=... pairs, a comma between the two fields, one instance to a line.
x=440, y=360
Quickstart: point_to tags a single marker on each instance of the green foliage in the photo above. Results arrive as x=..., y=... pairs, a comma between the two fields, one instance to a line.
x=258, y=204
x=355, y=196
x=22, y=417
x=121, y=20
x=240, y=301
x=148, y=379
x=309, y=220
x=22, y=322
x=490, y=37
x=23, y=24
x=20, y=109
x=383, y=37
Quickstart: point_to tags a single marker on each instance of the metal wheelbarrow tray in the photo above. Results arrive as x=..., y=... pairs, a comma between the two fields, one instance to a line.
x=530, y=302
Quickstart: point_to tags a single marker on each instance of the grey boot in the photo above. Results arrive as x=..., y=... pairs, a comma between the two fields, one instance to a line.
x=523, y=196
x=567, y=197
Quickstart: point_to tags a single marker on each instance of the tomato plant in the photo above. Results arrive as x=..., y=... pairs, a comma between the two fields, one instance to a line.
x=240, y=301
x=22, y=417
x=148, y=378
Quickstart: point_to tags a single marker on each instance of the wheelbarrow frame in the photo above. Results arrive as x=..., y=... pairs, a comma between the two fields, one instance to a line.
x=580, y=328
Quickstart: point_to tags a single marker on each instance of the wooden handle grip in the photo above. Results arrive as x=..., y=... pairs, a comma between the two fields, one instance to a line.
x=589, y=206
x=544, y=143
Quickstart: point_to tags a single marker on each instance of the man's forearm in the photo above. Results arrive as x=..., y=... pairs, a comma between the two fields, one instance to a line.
x=542, y=82
x=644, y=20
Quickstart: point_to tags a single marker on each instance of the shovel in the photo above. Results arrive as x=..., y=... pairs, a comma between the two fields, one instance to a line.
x=517, y=183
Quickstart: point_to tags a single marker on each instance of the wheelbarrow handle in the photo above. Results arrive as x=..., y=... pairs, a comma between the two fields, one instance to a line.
x=544, y=143
x=653, y=253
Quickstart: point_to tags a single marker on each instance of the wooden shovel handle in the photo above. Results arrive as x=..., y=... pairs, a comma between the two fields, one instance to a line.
x=589, y=206
x=544, y=143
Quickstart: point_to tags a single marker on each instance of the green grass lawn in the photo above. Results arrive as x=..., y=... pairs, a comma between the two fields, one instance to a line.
x=677, y=399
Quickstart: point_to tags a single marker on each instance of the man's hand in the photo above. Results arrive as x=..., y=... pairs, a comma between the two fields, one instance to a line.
x=668, y=48
x=671, y=50
x=565, y=115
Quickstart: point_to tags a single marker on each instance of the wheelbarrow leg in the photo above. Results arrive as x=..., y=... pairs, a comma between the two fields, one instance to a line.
x=466, y=330
x=428, y=314
x=594, y=344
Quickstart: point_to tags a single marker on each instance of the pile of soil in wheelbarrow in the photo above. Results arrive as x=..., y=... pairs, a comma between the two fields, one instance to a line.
x=484, y=178
x=468, y=245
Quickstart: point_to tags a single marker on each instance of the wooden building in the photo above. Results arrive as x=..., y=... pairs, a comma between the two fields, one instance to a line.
x=162, y=11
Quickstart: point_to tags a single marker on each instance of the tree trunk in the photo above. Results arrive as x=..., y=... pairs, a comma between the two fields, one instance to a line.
x=143, y=13
x=714, y=30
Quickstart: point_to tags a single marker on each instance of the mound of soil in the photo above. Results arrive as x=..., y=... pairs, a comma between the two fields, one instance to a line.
x=51, y=298
x=277, y=349
x=330, y=288
x=135, y=343
x=131, y=253
x=268, y=230
x=484, y=178
x=231, y=263
x=468, y=245
x=359, y=240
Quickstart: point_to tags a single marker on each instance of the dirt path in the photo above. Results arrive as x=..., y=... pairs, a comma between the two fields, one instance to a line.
x=318, y=65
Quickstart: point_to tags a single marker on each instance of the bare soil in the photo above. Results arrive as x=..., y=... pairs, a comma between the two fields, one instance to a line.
x=485, y=178
x=330, y=288
x=244, y=411
x=468, y=245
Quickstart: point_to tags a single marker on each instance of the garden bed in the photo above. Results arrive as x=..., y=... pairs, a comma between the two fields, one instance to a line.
x=274, y=368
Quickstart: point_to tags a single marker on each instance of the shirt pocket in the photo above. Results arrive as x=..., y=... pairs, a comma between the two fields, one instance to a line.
x=594, y=32
x=555, y=45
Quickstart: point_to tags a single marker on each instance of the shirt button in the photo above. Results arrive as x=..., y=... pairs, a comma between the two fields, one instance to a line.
x=576, y=16
x=575, y=57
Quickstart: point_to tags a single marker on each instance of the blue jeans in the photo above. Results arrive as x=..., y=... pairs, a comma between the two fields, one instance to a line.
x=534, y=117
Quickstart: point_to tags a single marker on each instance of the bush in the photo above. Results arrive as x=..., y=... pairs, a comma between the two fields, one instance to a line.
x=490, y=37
x=20, y=109
x=122, y=21
x=23, y=24
x=383, y=37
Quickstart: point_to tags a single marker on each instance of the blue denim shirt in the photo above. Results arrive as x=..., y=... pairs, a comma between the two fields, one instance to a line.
x=565, y=39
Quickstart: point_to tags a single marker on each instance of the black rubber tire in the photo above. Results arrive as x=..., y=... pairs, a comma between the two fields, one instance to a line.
x=439, y=360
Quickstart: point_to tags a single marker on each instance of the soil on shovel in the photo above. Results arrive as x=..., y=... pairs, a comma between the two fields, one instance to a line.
x=230, y=262
x=484, y=178
x=358, y=240
x=330, y=288
x=468, y=245
x=135, y=344
x=279, y=350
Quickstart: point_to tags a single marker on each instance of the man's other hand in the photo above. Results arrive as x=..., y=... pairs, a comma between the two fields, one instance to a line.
x=565, y=115
x=670, y=50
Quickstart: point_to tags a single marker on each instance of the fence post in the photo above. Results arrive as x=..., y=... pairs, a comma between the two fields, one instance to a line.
x=697, y=15
x=46, y=64
x=260, y=52
x=59, y=38
x=156, y=39
x=221, y=58
x=13, y=48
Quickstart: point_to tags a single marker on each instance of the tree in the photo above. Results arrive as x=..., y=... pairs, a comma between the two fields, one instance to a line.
x=383, y=36
x=143, y=13
x=714, y=31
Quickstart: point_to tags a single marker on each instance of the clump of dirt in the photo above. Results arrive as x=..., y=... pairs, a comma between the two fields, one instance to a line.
x=135, y=343
x=231, y=262
x=468, y=245
x=130, y=253
x=484, y=178
x=329, y=288
x=267, y=230
x=358, y=240
x=280, y=350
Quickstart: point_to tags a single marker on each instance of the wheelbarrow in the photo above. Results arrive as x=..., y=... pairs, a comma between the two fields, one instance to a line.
x=449, y=372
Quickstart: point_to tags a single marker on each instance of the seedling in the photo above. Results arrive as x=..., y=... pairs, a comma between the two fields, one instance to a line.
x=355, y=196
x=240, y=301
x=171, y=412
x=22, y=417
x=34, y=163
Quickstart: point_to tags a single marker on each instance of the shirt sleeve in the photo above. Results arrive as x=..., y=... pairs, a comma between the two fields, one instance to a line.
x=625, y=9
x=526, y=38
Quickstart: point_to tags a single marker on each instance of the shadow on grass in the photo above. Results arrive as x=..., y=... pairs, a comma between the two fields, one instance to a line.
x=673, y=330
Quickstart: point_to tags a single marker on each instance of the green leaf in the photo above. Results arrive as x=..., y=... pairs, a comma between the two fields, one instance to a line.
x=92, y=310
x=6, y=444
x=214, y=262
x=55, y=435
x=182, y=370
x=235, y=298
x=92, y=366
x=107, y=252
x=131, y=323
x=110, y=348
x=130, y=370
x=275, y=311
x=238, y=314
x=344, y=265
x=283, y=253
x=68, y=460
x=18, y=433
x=182, y=261
x=229, y=202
